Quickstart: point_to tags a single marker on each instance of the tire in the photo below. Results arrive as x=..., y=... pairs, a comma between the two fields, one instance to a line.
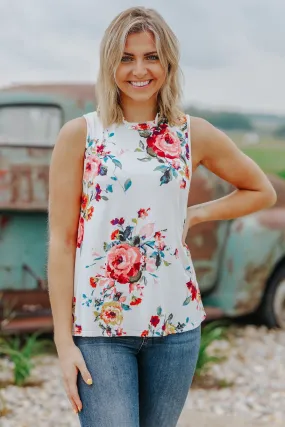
x=272, y=309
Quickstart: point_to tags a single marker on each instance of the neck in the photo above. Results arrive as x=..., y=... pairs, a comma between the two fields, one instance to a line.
x=139, y=112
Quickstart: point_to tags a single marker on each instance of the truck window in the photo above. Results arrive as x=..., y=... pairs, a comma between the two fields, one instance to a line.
x=31, y=125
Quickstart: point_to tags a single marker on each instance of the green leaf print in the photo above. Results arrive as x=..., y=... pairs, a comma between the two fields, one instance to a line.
x=166, y=263
x=117, y=163
x=136, y=241
x=158, y=260
x=166, y=177
x=144, y=133
x=134, y=220
x=141, y=144
x=175, y=174
x=139, y=150
x=126, y=307
x=186, y=302
x=106, y=246
x=160, y=160
x=150, y=151
x=159, y=311
x=183, y=159
x=161, y=168
x=104, y=198
x=127, y=184
x=145, y=159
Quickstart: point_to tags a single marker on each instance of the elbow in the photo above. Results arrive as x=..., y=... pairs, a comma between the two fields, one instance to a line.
x=269, y=197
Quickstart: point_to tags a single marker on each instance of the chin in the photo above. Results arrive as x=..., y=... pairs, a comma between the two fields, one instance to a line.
x=141, y=97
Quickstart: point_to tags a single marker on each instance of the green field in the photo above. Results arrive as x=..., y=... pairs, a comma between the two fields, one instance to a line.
x=270, y=158
x=269, y=153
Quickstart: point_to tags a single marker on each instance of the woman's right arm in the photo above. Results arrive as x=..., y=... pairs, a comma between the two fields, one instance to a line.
x=65, y=189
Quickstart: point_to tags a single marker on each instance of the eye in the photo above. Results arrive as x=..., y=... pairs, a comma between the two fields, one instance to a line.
x=153, y=57
x=125, y=58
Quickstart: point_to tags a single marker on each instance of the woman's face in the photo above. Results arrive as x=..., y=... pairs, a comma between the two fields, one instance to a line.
x=140, y=64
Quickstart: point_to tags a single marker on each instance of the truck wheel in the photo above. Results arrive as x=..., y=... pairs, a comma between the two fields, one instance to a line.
x=272, y=309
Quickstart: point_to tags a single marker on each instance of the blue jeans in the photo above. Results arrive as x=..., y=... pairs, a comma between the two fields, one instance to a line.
x=137, y=382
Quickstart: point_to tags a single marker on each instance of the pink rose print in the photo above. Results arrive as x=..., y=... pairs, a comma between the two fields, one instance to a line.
x=150, y=265
x=123, y=262
x=164, y=142
x=92, y=168
x=80, y=232
x=147, y=230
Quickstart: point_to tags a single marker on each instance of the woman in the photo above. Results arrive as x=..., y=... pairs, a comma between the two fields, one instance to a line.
x=126, y=304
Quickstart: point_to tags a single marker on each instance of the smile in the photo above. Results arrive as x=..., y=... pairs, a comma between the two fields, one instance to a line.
x=141, y=84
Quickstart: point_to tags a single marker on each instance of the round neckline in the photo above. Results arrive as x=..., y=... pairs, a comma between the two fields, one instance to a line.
x=149, y=122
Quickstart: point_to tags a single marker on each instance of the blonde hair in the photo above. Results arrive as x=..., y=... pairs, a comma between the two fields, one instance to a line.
x=136, y=20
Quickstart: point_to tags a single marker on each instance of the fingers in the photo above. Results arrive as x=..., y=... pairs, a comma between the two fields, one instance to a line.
x=84, y=372
x=74, y=401
x=70, y=371
x=70, y=384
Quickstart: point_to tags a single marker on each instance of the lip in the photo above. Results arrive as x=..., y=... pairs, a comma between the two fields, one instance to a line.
x=140, y=87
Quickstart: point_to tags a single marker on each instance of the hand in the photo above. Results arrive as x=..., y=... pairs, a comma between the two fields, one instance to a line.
x=193, y=218
x=71, y=361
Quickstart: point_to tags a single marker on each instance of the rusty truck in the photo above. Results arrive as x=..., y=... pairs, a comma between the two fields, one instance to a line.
x=240, y=264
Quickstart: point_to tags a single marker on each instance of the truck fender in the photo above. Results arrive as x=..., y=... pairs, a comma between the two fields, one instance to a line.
x=255, y=245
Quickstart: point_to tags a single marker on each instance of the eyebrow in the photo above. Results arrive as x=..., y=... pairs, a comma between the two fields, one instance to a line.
x=146, y=54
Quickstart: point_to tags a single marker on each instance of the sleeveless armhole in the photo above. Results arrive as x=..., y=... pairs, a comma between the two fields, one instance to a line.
x=90, y=123
x=189, y=142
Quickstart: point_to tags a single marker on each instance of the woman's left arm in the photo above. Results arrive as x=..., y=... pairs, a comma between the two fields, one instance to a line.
x=213, y=149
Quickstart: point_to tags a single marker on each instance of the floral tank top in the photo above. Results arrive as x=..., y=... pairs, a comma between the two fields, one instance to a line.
x=133, y=275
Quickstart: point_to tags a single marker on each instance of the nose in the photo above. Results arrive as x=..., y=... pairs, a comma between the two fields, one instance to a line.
x=139, y=69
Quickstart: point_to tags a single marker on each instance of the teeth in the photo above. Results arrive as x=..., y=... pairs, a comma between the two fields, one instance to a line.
x=140, y=83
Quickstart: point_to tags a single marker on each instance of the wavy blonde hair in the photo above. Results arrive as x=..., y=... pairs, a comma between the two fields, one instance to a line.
x=136, y=20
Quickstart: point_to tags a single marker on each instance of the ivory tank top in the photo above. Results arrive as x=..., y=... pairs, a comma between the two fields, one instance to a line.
x=133, y=275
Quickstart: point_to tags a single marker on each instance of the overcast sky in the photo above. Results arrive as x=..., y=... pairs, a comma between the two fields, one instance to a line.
x=232, y=51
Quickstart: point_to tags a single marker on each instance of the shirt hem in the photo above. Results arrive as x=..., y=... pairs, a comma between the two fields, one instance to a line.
x=136, y=333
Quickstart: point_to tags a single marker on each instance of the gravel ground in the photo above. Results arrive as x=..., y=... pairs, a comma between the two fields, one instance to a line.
x=253, y=379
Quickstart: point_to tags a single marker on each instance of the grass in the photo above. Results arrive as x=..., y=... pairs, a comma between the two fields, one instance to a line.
x=21, y=354
x=270, y=159
x=269, y=153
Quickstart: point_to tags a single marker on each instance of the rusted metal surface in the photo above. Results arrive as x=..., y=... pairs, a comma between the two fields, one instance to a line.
x=24, y=170
x=28, y=324
x=206, y=240
x=24, y=310
x=26, y=301
x=252, y=251
x=24, y=178
x=80, y=93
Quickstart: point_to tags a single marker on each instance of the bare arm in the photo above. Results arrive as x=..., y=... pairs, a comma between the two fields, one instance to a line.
x=65, y=188
x=218, y=153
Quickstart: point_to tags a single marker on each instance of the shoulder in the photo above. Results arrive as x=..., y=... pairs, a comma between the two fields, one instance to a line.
x=200, y=128
x=210, y=142
x=74, y=127
x=203, y=132
x=205, y=139
x=72, y=136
